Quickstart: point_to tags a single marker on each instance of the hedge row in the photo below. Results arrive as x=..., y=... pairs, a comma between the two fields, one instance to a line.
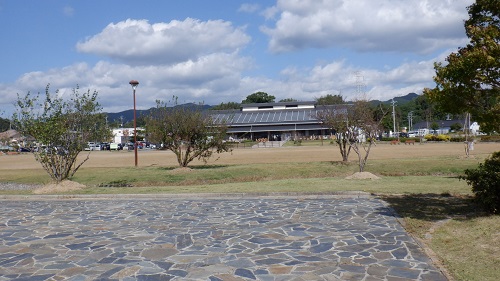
x=490, y=138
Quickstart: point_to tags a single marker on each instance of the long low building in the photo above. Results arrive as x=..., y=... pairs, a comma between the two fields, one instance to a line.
x=274, y=121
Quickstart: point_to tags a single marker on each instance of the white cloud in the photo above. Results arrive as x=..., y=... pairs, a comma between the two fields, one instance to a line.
x=141, y=43
x=201, y=62
x=218, y=78
x=249, y=8
x=338, y=77
x=420, y=26
x=68, y=11
x=205, y=64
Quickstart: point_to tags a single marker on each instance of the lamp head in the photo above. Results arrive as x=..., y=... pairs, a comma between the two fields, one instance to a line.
x=134, y=83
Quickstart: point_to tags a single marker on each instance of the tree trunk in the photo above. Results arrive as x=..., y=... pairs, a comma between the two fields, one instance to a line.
x=344, y=147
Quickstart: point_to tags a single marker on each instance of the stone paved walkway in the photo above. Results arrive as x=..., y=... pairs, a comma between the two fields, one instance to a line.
x=245, y=238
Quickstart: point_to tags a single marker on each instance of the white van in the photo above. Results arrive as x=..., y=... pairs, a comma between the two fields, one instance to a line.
x=91, y=146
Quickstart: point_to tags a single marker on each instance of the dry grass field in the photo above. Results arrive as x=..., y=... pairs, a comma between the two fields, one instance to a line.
x=301, y=154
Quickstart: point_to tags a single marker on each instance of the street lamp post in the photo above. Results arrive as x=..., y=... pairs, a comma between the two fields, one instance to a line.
x=134, y=84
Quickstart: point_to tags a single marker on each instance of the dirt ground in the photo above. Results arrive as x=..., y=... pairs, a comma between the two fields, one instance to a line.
x=260, y=155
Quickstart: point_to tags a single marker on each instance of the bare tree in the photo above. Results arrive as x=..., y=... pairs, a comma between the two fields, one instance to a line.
x=336, y=118
x=364, y=129
x=356, y=128
x=188, y=131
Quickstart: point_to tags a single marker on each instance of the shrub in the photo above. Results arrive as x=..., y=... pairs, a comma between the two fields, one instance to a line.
x=490, y=138
x=441, y=137
x=429, y=137
x=485, y=182
x=405, y=139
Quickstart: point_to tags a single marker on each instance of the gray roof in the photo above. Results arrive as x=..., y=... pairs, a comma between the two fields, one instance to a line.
x=270, y=117
x=243, y=105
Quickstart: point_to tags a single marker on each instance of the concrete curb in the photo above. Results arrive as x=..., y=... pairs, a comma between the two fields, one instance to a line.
x=183, y=196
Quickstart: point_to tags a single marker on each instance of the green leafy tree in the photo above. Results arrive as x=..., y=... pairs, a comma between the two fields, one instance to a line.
x=4, y=124
x=434, y=126
x=189, y=132
x=330, y=99
x=62, y=128
x=259, y=97
x=226, y=106
x=470, y=80
x=456, y=127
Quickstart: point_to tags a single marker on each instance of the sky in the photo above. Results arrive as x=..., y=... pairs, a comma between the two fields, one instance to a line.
x=217, y=51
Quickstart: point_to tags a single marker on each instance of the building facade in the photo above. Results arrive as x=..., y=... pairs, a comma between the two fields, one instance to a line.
x=274, y=121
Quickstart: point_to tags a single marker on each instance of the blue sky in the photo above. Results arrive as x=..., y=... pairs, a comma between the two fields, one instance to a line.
x=223, y=50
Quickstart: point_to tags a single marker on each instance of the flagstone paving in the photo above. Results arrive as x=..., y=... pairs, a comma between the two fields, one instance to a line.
x=207, y=238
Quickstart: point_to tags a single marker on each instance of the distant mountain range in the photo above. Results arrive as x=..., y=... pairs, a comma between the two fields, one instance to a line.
x=128, y=115
x=400, y=100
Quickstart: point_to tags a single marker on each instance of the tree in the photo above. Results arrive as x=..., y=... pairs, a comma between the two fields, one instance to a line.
x=189, y=132
x=330, y=99
x=62, y=128
x=4, y=124
x=226, y=106
x=434, y=127
x=456, y=127
x=259, y=97
x=470, y=80
x=485, y=183
x=356, y=128
x=364, y=128
x=336, y=119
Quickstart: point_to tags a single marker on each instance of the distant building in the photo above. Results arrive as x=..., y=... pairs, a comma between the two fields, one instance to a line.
x=123, y=135
x=444, y=126
x=10, y=136
x=274, y=121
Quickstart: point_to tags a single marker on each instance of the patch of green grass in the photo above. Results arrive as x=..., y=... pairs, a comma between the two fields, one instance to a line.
x=466, y=239
x=386, y=185
x=470, y=248
x=422, y=210
x=309, y=143
x=220, y=174
x=422, y=166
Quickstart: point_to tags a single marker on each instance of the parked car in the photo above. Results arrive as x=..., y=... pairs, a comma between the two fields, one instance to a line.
x=91, y=146
x=24, y=149
x=105, y=146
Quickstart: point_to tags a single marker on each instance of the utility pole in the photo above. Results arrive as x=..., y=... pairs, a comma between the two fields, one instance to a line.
x=410, y=120
x=394, y=116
